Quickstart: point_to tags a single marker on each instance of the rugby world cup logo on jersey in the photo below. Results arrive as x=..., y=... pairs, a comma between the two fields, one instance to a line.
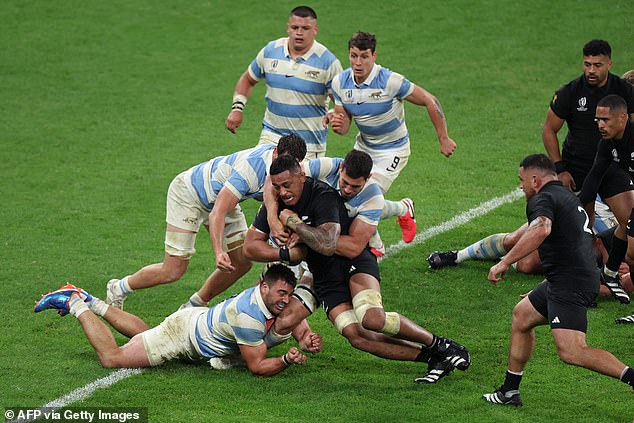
x=582, y=105
x=274, y=64
x=615, y=155
x=348, y=94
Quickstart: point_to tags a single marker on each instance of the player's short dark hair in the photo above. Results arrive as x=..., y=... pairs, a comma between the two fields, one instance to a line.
x=614, y=102
x=597, y=48
x=629, y=76
x=363, y=41
x=357, y=164
x=278, y=272
x=538, y=161
x=284, y=163
x=304, y=12
x=292, y=144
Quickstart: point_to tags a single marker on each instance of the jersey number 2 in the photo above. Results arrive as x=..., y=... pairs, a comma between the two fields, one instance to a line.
x=585, y=224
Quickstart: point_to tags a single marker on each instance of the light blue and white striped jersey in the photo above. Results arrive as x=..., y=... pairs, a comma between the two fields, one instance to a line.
x=376, y=106
x=296, y=90
x=238, y=320
x=366, y=205
x=243, y=173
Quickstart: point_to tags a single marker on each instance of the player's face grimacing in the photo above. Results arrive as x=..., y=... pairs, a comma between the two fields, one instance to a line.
x=361, y=62
x=289, y=187
x=301, y=33
x=350, y=187
x=276, y=296
x=596, y=69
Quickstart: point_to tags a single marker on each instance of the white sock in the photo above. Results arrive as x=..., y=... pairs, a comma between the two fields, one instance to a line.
x=393, y=208
x=124, y=286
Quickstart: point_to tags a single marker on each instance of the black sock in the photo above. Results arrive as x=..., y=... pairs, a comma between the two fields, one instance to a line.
x=628, y=377
x=434, y=343
x=511, y=382
x=617, y=254
x=424, y=355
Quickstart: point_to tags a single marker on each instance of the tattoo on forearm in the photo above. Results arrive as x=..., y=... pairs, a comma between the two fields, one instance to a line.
x=322, y=239
x=439, y=108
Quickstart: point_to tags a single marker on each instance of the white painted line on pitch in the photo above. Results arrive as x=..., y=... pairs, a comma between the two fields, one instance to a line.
x=85, y=391
x=484, y=208
x=456, y=221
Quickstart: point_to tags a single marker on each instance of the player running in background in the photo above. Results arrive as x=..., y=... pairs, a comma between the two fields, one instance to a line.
x=298, y=72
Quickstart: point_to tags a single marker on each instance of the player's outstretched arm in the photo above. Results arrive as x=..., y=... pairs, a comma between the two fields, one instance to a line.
x=260, y=365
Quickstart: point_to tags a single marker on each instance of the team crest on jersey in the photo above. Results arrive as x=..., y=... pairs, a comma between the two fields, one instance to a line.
x=376, y=95
x=582, y=105
x=615, y=155
x=312, y=74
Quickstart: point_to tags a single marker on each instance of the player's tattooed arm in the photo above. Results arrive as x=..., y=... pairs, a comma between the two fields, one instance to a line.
x=322, y=239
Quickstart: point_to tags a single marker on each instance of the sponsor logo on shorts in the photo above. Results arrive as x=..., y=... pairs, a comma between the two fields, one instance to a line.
x=556, y=320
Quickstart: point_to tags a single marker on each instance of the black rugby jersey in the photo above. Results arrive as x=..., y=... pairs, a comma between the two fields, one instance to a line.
x=576, y=103
x=319, y=204
x=566, y=254
x=620, y=152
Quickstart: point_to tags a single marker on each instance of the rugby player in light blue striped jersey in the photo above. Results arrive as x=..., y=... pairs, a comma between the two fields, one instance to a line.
x=208, y=194
x=373, y=97
x=298, y=72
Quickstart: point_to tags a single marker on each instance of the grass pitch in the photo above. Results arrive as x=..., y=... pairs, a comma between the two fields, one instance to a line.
x=105, y=102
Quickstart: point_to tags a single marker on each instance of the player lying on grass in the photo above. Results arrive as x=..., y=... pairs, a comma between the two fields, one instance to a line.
x=494, y=247
x=238, y=325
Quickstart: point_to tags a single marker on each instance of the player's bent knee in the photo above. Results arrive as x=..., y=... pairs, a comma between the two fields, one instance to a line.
x=369, y=300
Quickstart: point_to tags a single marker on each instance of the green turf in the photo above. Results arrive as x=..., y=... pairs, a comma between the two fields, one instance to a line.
x=103, y=103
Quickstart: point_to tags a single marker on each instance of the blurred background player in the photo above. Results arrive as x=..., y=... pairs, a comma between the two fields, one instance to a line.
x=237, y=325
x=575, y=104
x=298, y=72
